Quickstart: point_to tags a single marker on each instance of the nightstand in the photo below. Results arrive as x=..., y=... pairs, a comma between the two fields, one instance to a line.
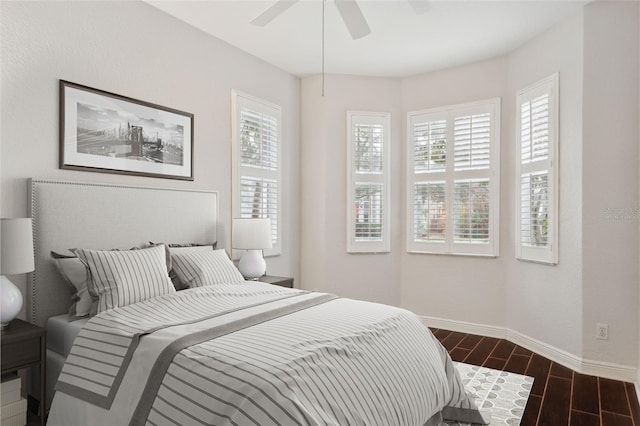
x=281, y=281
x=23, y=346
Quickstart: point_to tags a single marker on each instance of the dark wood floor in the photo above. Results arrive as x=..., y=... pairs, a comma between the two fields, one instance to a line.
x=559, y=395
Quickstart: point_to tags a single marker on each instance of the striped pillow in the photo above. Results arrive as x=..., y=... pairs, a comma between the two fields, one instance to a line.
x=120, y=278
x=199, y=269
x=177, y=282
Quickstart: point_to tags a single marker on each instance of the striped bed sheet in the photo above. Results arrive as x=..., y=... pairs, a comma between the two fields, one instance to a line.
x=252, y=353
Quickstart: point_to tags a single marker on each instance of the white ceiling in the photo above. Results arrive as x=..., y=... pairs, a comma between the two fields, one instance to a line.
x=402, y=42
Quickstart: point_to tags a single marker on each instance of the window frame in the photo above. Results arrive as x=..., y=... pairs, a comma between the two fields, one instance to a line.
x=384, y=244
x=240, y=100
x=448, y=176
x=548, y=254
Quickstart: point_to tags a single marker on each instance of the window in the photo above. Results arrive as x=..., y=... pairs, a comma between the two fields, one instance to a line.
x=536, y=172
x=256, y=139
x=368, y=182
x=453, y=162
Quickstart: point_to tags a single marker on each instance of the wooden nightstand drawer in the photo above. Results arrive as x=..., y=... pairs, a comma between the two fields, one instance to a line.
x=281, y=281
x=20, y=354
x=23, y=346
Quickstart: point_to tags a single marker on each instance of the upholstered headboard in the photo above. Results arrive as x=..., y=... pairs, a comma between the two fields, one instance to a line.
x=104, y=216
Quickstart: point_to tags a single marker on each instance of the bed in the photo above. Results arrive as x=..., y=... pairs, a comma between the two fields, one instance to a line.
x=222, y=350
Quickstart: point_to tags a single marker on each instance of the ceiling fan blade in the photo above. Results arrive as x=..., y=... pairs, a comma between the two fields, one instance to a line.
x=353, y=18
x=273, y=12
x=419, y=6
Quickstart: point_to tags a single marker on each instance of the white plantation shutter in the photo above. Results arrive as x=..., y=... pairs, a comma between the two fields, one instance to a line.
x=429, y=212
x=534, y=129
x=368, y=147
x=536, y=171
x=534, y=209
x=368, y=182
x=256, y=138
x=454, y=179
x=429, y=149
x=471, y=211
x=259, y=136
x=368, y=212
x=472, y=137
x=259, y=198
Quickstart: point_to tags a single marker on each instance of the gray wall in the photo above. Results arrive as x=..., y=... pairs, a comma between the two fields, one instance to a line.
x=325, y=264
x=551, y=308
x=544, y=302
x=610, y=179
x=133, y=49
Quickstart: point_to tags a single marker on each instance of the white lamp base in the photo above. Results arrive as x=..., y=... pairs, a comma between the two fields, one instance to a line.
x=252, y=264
x=10, y=301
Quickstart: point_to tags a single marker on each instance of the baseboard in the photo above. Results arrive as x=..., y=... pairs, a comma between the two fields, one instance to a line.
x=608, y=370
x=465, y=327
x=590, y=367
x=551, y=352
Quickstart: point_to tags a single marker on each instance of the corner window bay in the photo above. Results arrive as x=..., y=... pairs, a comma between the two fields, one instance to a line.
x=453, y=193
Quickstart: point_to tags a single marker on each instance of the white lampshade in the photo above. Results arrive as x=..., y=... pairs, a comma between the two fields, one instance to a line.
x=16, y=257
x=16, y=253
x=251, y=234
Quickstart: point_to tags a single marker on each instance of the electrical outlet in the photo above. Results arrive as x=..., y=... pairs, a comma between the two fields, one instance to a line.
x=602, y=331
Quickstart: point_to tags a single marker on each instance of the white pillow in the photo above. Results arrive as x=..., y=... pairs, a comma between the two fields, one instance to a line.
x=120, y=278
x=202, y=268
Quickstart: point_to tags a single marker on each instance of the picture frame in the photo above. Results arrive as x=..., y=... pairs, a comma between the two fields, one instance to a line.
x=109, y=133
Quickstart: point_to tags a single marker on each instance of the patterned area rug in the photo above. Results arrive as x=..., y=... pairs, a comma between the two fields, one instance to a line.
x=503, y=394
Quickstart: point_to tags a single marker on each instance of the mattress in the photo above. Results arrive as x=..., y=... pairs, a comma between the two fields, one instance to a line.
x=61, y=332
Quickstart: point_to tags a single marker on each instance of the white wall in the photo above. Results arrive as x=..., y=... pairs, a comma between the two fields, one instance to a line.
x=610, y=180
x=554, y=308
x=133, y=49
x=544, y=302
x=466, y=289
x=325, y=263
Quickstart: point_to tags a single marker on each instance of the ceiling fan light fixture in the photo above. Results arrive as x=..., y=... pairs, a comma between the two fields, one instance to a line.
x=353, y=18
x=272, y=12
x=349, y=11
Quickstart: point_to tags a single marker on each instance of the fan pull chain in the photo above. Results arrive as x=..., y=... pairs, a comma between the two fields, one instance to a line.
x=323, y=5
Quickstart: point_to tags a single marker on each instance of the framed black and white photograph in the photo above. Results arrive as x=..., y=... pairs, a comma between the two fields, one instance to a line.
x=105, y=132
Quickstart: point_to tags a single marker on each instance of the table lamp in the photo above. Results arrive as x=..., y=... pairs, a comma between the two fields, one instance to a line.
x=16, y=257
x=252, y=235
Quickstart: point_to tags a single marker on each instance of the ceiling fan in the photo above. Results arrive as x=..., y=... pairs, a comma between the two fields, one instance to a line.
x=349, y=11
